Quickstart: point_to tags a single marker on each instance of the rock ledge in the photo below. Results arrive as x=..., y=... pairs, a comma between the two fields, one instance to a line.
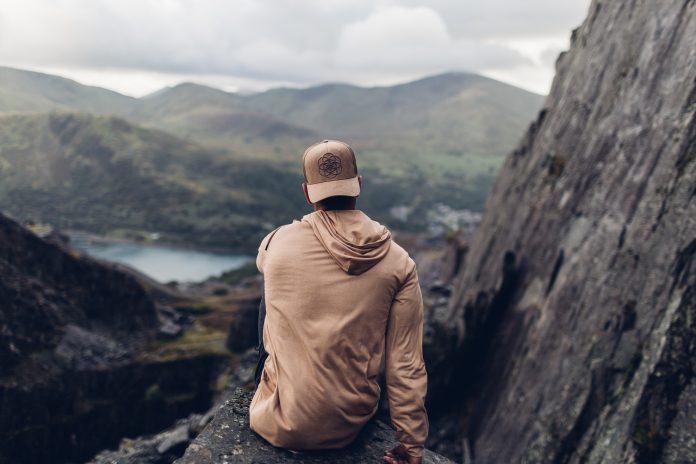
x=227, y=439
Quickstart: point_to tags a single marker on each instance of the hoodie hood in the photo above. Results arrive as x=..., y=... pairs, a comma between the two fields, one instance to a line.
x=355, y=241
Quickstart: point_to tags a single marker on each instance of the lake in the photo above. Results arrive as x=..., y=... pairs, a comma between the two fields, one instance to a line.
x=163, y=263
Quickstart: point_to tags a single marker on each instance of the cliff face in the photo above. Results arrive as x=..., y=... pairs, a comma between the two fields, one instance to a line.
x=575, y=313
x=43, y=288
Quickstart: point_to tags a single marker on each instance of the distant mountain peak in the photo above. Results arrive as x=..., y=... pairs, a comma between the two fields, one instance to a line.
x=185, y=88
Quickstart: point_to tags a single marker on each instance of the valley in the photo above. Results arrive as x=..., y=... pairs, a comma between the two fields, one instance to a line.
x=202, y=167
x=104, y=175
x=130, y=348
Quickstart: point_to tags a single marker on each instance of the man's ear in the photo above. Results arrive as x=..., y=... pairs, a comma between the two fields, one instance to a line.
x=306, y=194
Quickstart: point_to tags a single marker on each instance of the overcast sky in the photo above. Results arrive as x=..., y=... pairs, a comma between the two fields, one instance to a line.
x=139, y=46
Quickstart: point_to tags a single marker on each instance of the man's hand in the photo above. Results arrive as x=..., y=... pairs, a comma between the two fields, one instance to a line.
x=399, y=455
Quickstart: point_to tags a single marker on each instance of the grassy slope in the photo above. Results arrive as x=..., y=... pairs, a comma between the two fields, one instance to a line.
x=436, y=140
x=452, y=122
x=456, y=123
x=223, y=121
x=26, y=91
x=106, y=175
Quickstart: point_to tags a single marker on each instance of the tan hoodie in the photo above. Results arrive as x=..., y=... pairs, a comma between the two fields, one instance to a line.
x=339, y=294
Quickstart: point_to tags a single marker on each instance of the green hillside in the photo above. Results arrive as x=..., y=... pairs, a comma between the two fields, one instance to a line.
x=233, y=167
x=27, y=91
x=452, y=121
x=219, y=119
x=450, y=131
x=105, y=175
x=454, y=106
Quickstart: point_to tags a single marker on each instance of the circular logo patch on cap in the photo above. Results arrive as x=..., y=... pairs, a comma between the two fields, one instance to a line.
x=329, y=165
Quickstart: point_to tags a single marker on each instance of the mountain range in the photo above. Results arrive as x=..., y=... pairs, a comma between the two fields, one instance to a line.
x=190, y=159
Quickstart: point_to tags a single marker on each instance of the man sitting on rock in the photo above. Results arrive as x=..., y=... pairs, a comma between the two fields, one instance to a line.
x=340, y=296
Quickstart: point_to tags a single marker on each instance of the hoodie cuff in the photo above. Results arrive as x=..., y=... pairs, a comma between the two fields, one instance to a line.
x=414, y=450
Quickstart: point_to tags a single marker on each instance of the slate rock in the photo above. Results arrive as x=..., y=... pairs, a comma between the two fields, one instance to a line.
x=228, y=439
x=574, y=312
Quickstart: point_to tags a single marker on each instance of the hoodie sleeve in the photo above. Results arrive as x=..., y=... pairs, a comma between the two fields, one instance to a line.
x=263, y=249
x=405, y=368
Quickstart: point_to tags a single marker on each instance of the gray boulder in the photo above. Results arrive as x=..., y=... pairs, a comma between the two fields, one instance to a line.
x=228, y=439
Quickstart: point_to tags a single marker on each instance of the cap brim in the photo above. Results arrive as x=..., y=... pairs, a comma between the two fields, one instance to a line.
x=344, y=187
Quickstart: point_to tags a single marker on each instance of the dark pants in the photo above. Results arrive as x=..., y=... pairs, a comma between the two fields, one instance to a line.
x=262, y=351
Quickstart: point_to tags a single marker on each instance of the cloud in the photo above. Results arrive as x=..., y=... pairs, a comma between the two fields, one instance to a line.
x=509, y=18
x=550, y=55
x=300, y=42
x=396, y=26
x=401, y=39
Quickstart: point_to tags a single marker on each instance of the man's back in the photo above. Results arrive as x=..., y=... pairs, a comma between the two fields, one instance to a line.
x=339, y=292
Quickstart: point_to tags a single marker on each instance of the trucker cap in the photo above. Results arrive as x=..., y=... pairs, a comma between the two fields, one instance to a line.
x=330, y=170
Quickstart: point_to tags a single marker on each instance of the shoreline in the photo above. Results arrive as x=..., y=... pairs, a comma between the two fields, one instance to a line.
x=96, y=238
x=163, y=263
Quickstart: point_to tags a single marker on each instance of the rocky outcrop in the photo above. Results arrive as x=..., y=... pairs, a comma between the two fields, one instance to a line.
x=574, y=316
x=168, y=445
x=43, y=287
x=243, y=331
x=80, y=363
x=228, y=439
x=161, y=448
